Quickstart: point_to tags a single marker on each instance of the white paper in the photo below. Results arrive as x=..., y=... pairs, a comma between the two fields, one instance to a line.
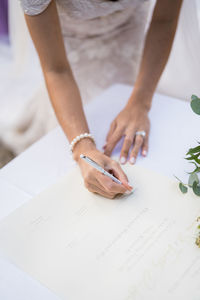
x=83, y=246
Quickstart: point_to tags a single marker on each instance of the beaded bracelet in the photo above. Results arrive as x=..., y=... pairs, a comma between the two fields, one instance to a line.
x=78, y=138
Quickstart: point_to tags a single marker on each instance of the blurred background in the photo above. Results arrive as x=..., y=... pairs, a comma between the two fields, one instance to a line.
x=25, y=110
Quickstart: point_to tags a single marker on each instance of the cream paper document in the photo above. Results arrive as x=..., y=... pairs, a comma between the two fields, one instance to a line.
x=85, y=247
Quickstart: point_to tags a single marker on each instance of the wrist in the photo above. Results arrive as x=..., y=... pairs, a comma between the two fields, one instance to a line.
x=83, y=146
x=141, y=98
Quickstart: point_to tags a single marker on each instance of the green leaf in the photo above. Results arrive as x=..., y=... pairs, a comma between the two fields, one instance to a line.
x=194, y=97
x=183, y=188
x=198, y=226
x=196, y=188
x=191, y=157
x=197, y=160
x=195, y=104
x=193, y=177
x=193, y=150
x=194, y=157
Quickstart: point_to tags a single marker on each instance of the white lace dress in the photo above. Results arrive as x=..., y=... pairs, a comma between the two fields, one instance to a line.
x=103, y=41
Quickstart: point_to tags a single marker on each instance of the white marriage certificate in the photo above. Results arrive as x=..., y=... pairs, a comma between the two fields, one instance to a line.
x=85, y=247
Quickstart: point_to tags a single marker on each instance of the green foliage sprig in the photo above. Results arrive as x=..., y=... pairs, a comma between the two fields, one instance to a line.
x=193, y=156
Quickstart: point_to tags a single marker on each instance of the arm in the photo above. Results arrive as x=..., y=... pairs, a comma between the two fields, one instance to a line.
x=63, y=91
x=157, y=48
x=134, y=117
x=65, y=97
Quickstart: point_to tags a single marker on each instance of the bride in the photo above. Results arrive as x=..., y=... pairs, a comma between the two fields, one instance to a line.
x=85, y=46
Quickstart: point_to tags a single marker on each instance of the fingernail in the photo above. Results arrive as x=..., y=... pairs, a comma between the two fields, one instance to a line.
x=128, y=192
x=144, y=153
x=127, y=185
x=122, y=160
x=132, y=160
x=130, y=188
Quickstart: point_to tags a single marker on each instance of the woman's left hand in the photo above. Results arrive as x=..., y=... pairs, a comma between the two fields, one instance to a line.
x=133, y=118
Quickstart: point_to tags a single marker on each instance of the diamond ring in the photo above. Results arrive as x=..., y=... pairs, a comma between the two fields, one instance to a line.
x=141, y=132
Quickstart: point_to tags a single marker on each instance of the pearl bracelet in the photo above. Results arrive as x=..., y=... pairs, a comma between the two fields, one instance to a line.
x=78, y=138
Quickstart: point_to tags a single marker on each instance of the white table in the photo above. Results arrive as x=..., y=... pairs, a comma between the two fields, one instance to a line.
x=174, y=128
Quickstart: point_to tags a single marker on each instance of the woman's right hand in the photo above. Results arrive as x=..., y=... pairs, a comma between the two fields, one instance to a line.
x=95, y=181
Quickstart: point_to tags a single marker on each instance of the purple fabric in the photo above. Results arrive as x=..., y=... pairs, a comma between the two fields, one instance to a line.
x=3, y=18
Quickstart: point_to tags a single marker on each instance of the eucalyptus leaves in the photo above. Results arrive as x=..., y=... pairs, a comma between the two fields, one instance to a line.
x=193, y=156
x=195, y=104
x=193, y=181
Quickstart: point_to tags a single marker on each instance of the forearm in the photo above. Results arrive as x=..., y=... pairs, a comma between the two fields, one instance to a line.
x=155, y=55
x=67, y=104
x=47, y=36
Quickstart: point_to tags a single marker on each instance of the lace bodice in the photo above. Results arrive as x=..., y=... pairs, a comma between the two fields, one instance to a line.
x=80, y=9
x=99, y=35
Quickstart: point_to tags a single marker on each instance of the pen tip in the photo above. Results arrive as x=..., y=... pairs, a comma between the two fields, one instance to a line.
x=81, y=155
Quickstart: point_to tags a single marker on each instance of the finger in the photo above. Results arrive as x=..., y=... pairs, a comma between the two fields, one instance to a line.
x=145, y=146
x=136, y=148
x=110, y=186
x=125, y=149
x=111, y=143
x=119, y=173
x=111, y=130
x=95, y=189
x=97, y=183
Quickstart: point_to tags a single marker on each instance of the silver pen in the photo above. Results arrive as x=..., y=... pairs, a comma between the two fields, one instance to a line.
x=100, y=169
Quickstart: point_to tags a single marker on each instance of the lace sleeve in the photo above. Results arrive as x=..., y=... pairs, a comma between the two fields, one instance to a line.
x=34, y=7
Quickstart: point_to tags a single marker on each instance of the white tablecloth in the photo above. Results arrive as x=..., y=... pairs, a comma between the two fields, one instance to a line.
x=174, y=128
